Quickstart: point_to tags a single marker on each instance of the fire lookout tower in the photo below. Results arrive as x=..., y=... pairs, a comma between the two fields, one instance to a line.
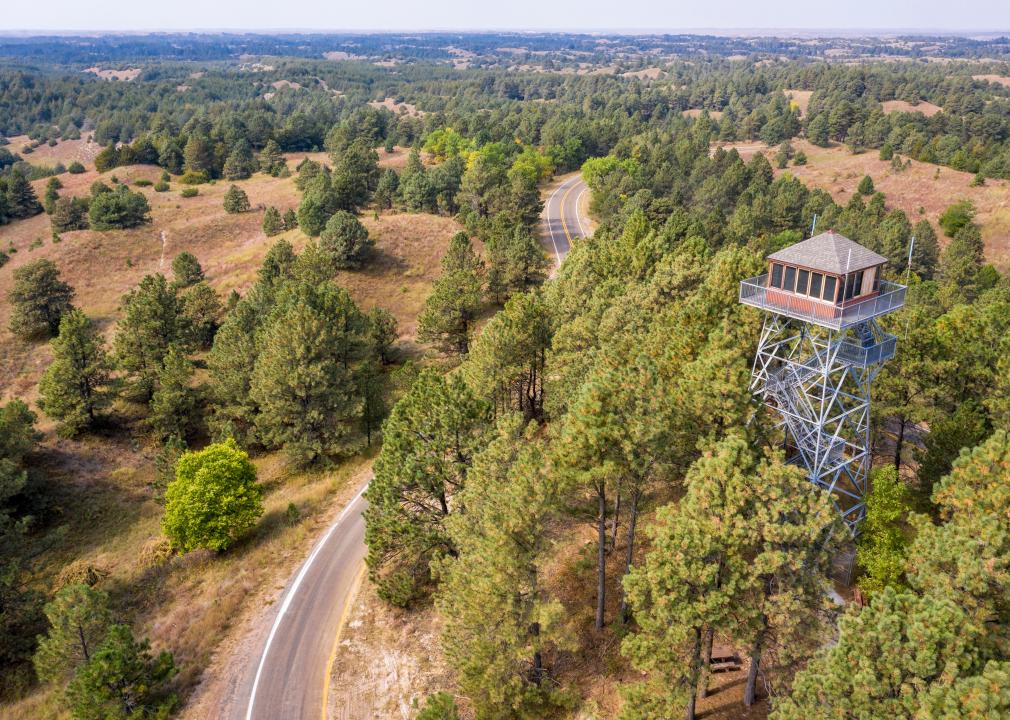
x=819, y=352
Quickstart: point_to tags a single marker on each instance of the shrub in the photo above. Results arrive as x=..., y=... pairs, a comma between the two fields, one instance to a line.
x=194, y=177
x=162, y=186
x=143, y=183
x=189, y=192
x=345, y=241
x=213, y=500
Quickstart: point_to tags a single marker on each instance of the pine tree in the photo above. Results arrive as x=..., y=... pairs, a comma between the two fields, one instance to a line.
x=152, y=320
x=516, y=257
x=79, y=619
x=507, y=362
x=271, y=161
x=186, y=270
x=385, y=191
x=201, y=308
x=290, y=219
x=960, y=267
x=345, y=241
x=318, y=203
x=455, y=299
x=39, y=299
x=231, y=363
x=214, y=499
x=382, y=334
x=866, y=186
x=278, y=264
x=236, y=201
x=303, y=381
x=890, y=661
x=69, y=214
x=173, y=404
x=241, y=163
x=429, y=442
x=21, y=199
x=123, y=681
x=371, y=388
x=501, y=625
x=272, y=223
x=198, y=156
x=926, y=251
x=75, y=387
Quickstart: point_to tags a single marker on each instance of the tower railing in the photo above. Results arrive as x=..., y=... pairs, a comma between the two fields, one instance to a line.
x=754, y=292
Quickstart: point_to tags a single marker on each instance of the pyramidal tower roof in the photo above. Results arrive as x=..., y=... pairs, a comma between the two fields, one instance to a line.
x=829, y=252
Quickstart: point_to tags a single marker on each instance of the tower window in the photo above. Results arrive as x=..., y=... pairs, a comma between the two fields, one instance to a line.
x=815, y=285
x=829, y=287
x=801, y=282
x=776, y=275
x=790, y=282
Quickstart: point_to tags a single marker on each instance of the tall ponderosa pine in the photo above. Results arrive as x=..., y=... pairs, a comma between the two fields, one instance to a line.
x=272, y=223
x=186, y=270
x=303, y=382
x=75, y=387
x=173, y=407
x=506, y=364
x=429, y=442
x=123, y=680
x=345, y=241
x=450, y=310
x=39, y=299
x=21, y=199
x=152, y=321
x=79, y=619
x=501, y=625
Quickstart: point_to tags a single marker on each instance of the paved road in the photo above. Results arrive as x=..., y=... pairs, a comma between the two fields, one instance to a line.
x=562, y=219
x=290, y=676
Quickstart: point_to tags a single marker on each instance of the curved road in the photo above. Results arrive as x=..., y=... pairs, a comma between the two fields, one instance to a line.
x=288, y=675
x=562, y=219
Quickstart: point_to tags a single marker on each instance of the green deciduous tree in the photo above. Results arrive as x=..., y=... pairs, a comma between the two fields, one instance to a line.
x=39, y=299
x=429, y=442
x=214, y=499
x=882, y=541
x=79, y=619
x=75, y=387
x=122, y=681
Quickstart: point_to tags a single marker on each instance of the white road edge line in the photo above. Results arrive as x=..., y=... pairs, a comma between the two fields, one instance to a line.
x=578, y=215
x=550, y=225
x=290, y=594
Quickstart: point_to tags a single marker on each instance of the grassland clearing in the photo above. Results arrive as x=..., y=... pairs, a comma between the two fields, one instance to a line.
x=926, y=108
x=103, y=485
x=921, y=190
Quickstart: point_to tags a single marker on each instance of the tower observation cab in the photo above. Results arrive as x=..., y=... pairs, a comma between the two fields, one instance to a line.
x=819, y=350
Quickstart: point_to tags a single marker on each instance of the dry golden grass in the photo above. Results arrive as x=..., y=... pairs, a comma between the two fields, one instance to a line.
x=922, y=186
x=801, y=99
x=102, y=484
x=65, y=151
x=646, y=74
x=926, y=108
x=998, y=79
x=401, y=108
x=125, y=74
x=697, y=112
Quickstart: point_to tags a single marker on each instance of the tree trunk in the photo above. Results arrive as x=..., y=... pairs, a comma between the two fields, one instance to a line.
x=630, y=556
x=601, y=570
x=84, y=643
x=899, y=443
x=706, y=661
x=752, y=673
x=689, y=715
x=538, y=663
x=617, y=516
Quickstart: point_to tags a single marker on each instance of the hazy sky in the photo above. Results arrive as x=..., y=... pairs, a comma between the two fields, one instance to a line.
x=979, y=15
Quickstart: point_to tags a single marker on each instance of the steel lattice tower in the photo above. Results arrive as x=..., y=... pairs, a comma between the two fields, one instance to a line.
x=818, y=355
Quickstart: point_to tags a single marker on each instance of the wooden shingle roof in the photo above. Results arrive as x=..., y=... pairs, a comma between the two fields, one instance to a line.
x=829, y=252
